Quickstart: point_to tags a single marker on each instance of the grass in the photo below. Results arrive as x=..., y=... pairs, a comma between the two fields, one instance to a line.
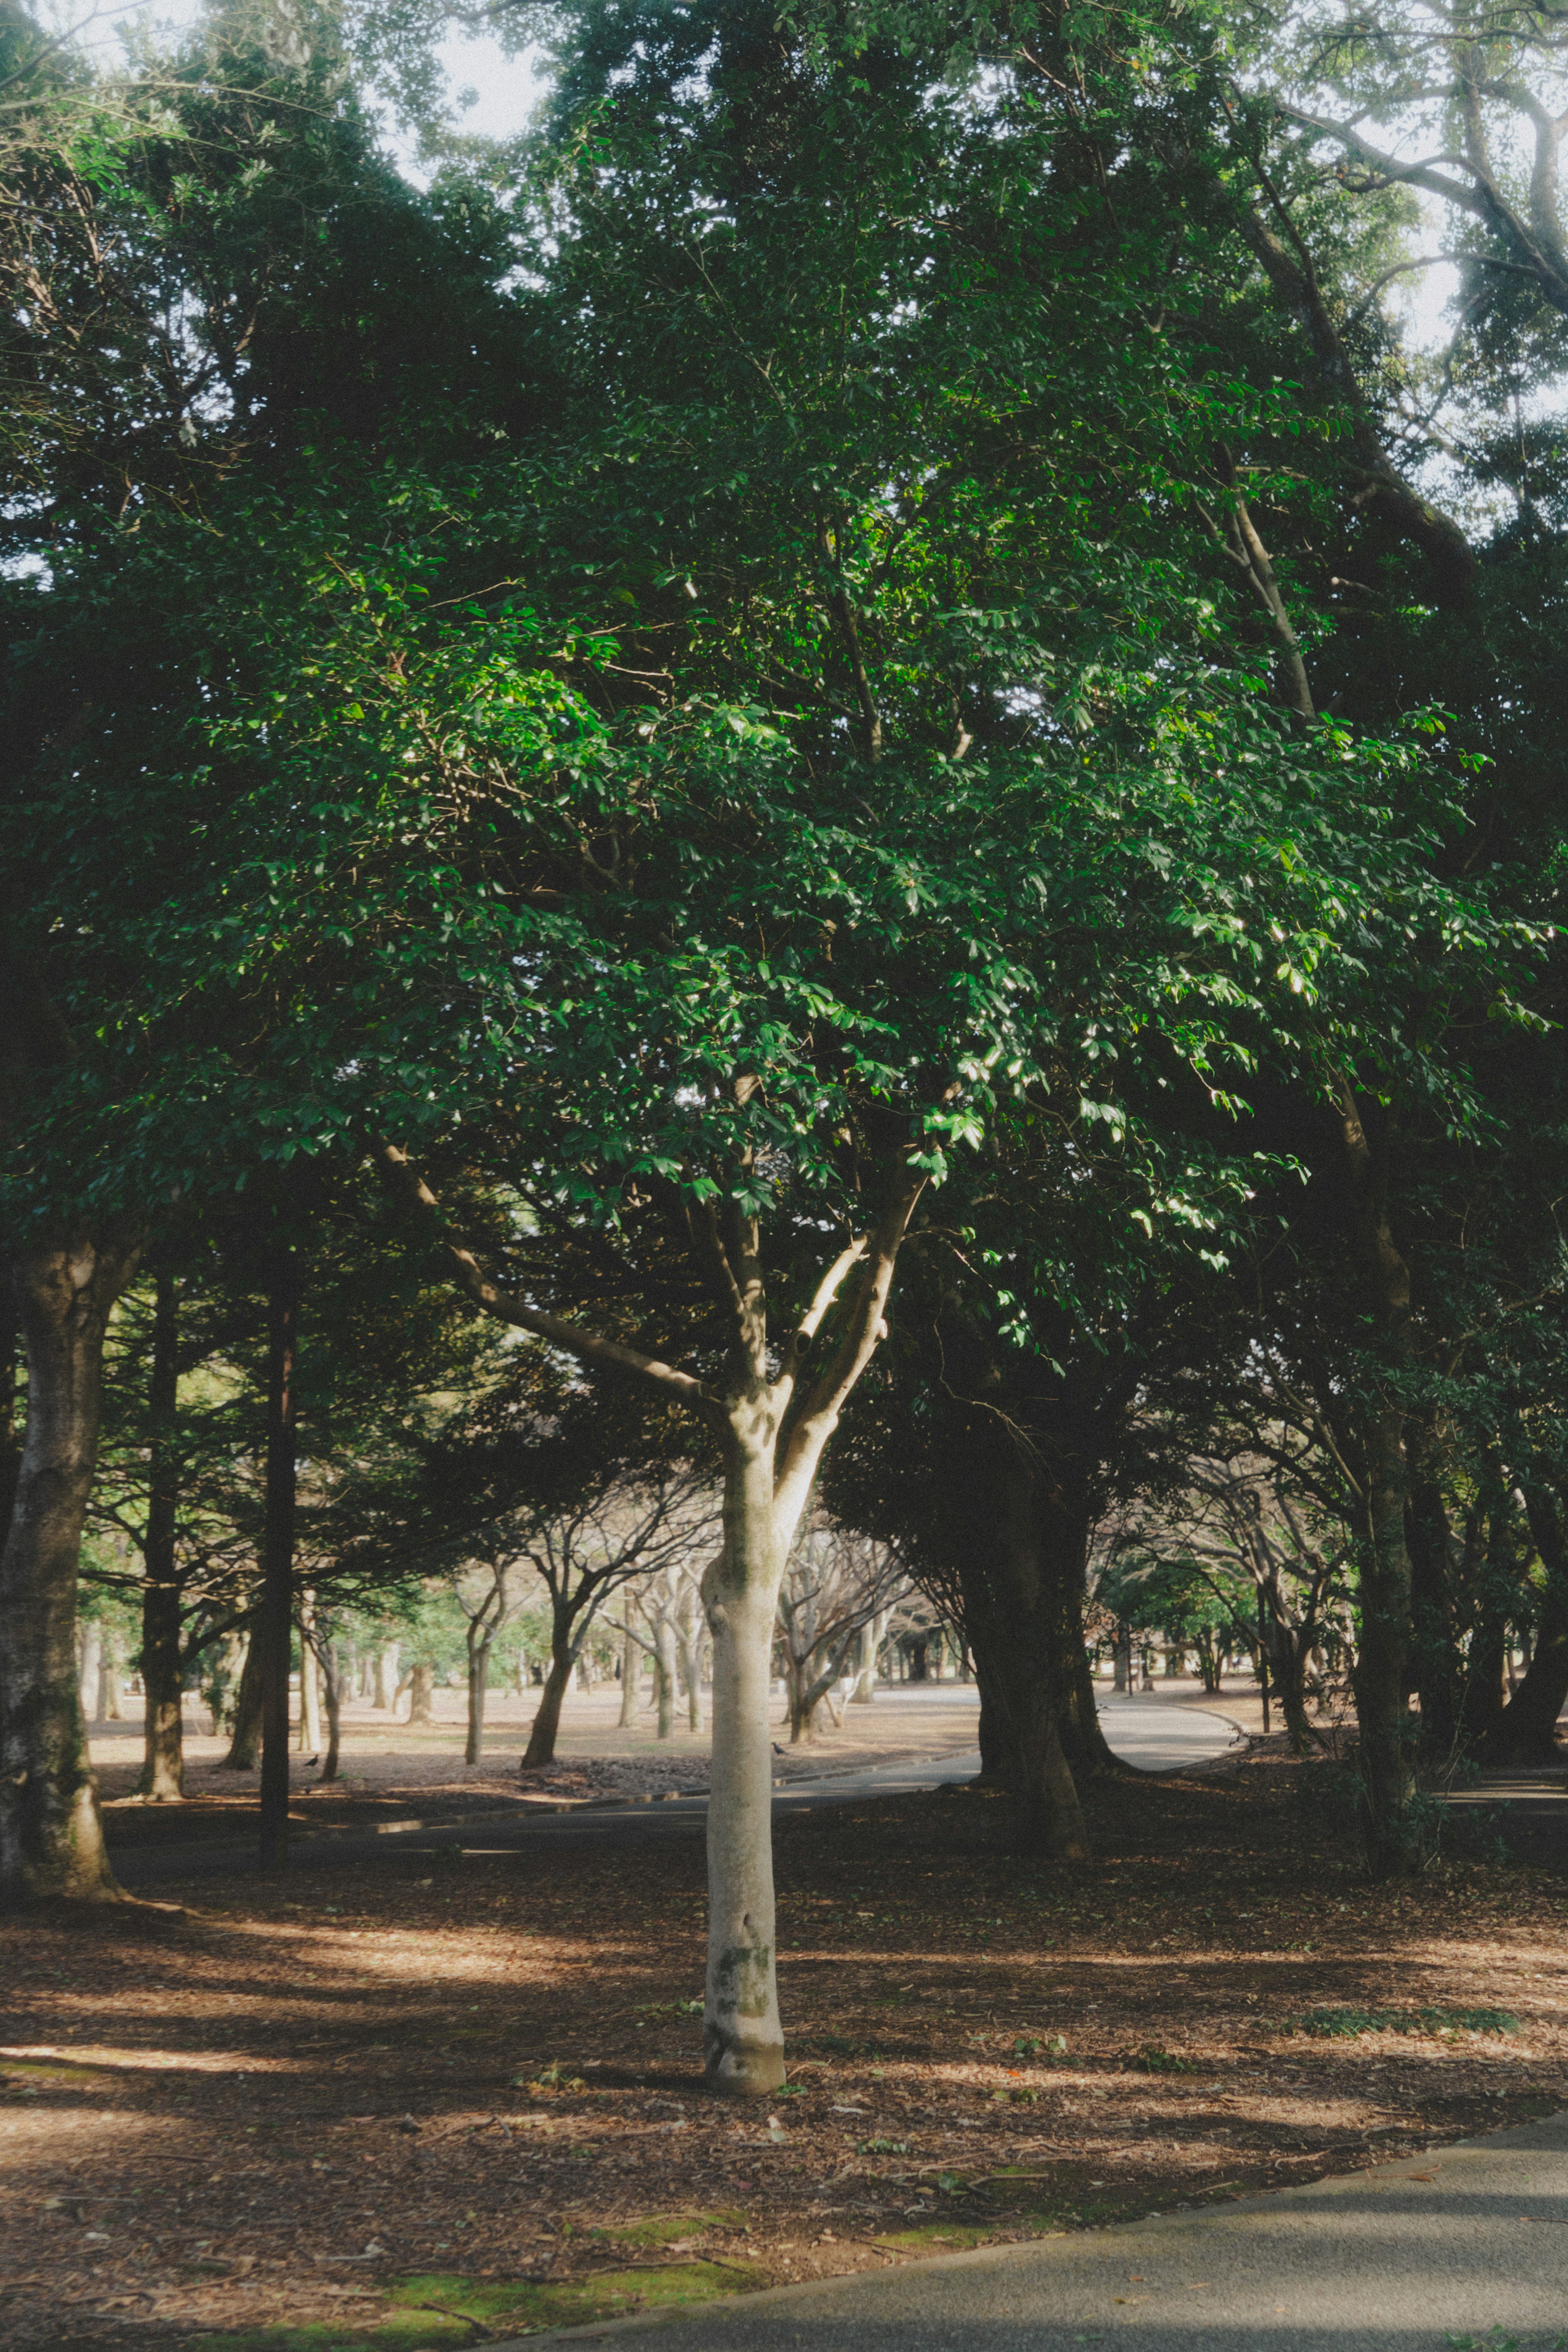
x=1342, y=2024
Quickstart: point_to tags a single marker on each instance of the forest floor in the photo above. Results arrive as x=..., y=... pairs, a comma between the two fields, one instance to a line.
x=429, y=2103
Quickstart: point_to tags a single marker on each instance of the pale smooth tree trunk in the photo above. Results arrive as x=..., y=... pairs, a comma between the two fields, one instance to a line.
x=743, y=2039
x=422, y=1691
x=112, y=1691
x=90, y=1676
x=871, y=1639
x=386, y=1675
x=665, y=1672
x=691, y=1631
x=51, y=1833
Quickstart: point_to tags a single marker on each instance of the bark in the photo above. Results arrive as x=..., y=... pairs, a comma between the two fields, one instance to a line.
x=422, y=1691
x=690, y=1633
x=665, y=1673
x=112, y=1689
x=1381, y=1678
x=546, y=1726
x=871, y=1639
x=1286, y=1655
x=331, y=1669
x=478, y=1680
x=1435, y=1651
x=309, y=1680
x=631, y=1662
x=10, y=1435
x=1526, y=1731
x=89, y=1677
x=245, y=1740
x=743, y=2041
x=163, y=1780
x=1016, y=1576
x=51, y=1833
x=386, y=1675
x=273, y=1632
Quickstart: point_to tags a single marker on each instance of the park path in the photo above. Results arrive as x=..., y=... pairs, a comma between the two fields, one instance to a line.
x=1165, y=1740
x=1420, y=2256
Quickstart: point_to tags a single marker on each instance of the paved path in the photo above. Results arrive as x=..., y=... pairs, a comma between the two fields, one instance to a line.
x=1410, y=2257
x=1162, y=1741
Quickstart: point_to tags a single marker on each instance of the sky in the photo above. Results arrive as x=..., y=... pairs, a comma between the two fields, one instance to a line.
x=506, y=89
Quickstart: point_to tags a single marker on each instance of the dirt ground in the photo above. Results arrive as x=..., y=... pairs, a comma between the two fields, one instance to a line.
x=391, y=1770
x=426, y=2103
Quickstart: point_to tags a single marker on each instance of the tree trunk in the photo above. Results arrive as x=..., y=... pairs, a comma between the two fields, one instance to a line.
x=162, y=1779
x=273, y=1632
x=245, y=1740
x=546, y=1726
x=89, y=1677
x=1434, y=1651
x=743, y=2041
x=1287, y=1657
x=309, y=1681
x=1382, y=1673
x=664, y=1674
x=386, y=1675
x=51, y=1833
x=332, y=1681
x=112, y=1691
x=692, y=1667
x=478, y=1677
x=871, y=1639
x=1526, y=1731
x=1385, y=1733
x=631, y=1662
x=422, y=1691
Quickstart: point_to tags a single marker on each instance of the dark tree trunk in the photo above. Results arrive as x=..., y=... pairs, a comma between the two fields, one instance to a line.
x=10, y=1435
x=1526, y=1731
x=51, y=1833
x=1382, y=1677
x=1384, y=1731
x=1287, y=1656
x=274, y=1630
x=244, y=1740
x=546, y=1726
x=479, y=1682
x=1435, y=1651
x=1022, y=1550
x=164, y=1759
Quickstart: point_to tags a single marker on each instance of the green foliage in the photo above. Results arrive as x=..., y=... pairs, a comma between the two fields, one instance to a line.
x=1340, y=2024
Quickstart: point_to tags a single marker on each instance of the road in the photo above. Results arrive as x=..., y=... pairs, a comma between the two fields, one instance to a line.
x=1153, y=1738
x=1420, y=2256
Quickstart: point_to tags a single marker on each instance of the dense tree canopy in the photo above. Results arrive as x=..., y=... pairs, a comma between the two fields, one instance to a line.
x=843, y=739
